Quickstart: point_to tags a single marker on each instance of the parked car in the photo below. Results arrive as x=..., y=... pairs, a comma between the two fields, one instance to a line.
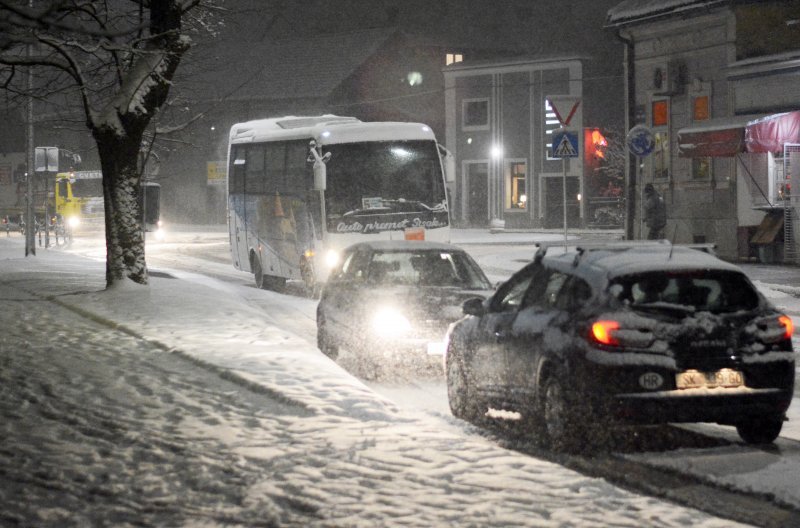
x=390, y=302
x=626, y=333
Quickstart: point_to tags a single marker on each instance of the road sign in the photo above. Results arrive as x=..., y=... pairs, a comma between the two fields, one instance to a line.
x=565, y=144
x=640, y=141
x=565, y=107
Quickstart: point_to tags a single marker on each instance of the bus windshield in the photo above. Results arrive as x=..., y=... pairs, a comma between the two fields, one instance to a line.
x=383, y=178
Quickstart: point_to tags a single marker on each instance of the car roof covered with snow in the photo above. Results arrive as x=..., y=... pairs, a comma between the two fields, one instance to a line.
x=600, y=264
x=404, y=245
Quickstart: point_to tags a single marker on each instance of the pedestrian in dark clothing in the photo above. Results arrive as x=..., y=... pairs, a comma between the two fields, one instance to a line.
x=655, y=213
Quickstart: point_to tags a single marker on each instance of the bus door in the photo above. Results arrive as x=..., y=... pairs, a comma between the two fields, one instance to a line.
x=237, y=222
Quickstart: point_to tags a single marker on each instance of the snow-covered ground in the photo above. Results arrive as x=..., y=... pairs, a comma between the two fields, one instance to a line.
x=186, y=404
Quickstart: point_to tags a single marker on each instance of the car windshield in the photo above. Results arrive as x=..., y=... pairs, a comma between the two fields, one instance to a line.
x=439, y=268
x=700, y=290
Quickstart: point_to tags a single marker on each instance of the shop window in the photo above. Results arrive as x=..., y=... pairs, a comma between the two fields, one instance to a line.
x=701, y=168
x=475, y=114
x=661, y=155
x=516, y=185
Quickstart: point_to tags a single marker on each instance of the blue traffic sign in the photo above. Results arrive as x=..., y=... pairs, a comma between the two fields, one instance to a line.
x=565, y=144
x=641, y=141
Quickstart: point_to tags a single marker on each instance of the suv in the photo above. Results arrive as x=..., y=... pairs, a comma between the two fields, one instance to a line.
x=632, y=333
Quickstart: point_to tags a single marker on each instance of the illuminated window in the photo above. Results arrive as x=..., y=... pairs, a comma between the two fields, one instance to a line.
x=452, y=58
x=551, y=124
x=475, y=114
x=516, y=185
x=700, y=111
x=660, y=113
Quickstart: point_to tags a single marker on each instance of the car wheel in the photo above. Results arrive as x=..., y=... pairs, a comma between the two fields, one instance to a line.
x=464, y=403
x=559, y=422
x=760, y=431
x=324, y=341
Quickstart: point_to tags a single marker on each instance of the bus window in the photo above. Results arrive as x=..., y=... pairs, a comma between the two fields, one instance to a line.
x=254, y=170
x=276, y=168
x=87, y=187
x=299, y=176
x=237, y=170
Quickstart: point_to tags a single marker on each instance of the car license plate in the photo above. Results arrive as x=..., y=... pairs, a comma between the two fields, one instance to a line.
x=724, y=378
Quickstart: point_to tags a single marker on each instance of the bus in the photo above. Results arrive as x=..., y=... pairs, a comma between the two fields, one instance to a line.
x=79, y=204
x=301, y=189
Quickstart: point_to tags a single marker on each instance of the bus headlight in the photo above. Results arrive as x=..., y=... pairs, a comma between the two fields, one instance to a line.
x=389, y=322
x=74, y=221
x=332, y=258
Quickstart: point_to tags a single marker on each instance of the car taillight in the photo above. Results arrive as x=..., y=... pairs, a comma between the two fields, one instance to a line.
x=788, y=326
x=603, y=332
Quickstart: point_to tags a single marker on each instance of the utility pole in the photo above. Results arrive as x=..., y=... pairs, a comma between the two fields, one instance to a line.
x=30, y=220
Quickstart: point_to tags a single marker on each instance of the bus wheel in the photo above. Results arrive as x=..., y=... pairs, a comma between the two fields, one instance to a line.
x=258, y=273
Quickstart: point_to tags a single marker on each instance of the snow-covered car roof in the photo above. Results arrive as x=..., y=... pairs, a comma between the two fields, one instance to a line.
x=599, y=264
x=406, y=245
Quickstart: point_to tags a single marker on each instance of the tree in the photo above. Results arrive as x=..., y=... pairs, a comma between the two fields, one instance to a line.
x=116, y=59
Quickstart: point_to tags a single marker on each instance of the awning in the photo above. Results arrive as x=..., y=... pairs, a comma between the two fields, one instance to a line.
x=728, y=136
x=720, y=137
x=770, y=133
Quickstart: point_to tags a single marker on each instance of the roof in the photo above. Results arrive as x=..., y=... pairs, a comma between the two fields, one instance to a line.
x=310, y=67
x=603, y=262
x=632, y=11
x=327, y=130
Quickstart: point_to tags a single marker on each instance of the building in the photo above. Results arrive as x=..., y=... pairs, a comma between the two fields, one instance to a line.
x=718, y=84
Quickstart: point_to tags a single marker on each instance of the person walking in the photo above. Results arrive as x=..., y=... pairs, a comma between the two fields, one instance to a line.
x=655, y=213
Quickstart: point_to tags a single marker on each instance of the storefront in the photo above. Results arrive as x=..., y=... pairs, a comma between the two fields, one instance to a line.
x=767, y=153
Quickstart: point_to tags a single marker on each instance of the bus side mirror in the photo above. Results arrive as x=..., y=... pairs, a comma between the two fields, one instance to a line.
x=320, y=175
x=320, y=171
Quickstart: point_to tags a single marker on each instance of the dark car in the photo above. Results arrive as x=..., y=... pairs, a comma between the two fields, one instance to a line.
x=624, y=334
x=391, y=302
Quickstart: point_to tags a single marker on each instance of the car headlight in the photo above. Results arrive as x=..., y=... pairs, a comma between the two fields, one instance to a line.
x=73, y=221
x=331, y=258
x=389, y=322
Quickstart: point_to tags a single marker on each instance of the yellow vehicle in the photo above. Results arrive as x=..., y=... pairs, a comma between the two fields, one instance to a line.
x=79, y=200
x=79, y=203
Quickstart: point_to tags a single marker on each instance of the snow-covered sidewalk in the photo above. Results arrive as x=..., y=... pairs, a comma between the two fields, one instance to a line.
x=179, y=404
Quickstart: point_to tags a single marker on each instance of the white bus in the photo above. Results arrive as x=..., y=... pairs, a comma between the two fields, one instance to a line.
x=301, y=189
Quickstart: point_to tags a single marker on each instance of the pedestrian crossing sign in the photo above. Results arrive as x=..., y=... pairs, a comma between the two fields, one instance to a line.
x=565, y=144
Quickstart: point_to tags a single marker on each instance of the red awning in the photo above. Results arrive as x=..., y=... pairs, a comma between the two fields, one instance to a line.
x=728, y=136
x=721, y=137
x=770, y=133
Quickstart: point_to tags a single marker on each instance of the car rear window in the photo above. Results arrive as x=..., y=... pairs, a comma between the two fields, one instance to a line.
x=703, y=290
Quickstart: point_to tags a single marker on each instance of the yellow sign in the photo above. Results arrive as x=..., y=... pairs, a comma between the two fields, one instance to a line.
x=217, y=174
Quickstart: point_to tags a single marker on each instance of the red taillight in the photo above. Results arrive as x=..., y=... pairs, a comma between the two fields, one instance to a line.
x=788, y=325
x=603, y=332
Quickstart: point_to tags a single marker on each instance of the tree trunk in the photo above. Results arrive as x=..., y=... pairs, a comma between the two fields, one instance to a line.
x=125, y=259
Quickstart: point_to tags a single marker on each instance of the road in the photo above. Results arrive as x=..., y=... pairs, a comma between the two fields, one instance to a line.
x=644, y=461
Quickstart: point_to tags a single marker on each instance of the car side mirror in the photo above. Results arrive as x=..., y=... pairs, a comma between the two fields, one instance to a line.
x=473, y=306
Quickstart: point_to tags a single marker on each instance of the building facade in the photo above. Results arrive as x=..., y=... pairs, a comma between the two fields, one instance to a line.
x=499, y=128
x=700, y=75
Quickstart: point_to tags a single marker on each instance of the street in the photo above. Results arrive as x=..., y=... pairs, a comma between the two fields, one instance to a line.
x=645, y=461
